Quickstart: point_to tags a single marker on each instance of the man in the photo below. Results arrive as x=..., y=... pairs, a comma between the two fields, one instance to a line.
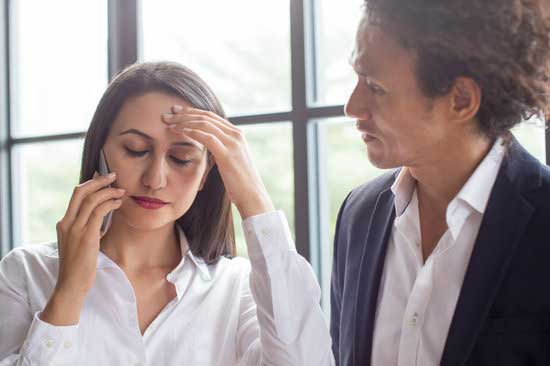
x=446, y=260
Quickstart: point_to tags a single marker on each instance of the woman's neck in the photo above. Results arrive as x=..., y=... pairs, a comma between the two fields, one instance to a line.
x=138, y=250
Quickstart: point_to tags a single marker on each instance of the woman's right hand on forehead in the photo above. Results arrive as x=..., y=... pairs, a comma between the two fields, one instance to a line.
x=78, y=238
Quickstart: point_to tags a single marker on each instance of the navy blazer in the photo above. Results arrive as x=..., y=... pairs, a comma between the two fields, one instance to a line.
x=502, y=315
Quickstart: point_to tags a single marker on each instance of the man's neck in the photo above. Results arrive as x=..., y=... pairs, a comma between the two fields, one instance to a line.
x=440, y=180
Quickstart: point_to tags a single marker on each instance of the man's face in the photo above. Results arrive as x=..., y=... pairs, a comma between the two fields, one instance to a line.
x=399, y=125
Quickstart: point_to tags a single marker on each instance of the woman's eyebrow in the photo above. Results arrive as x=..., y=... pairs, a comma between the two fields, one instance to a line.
x=146, y=136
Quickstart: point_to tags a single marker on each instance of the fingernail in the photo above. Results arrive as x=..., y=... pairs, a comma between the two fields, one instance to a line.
x=112, y=175
x=121, y=190
x=172, y=126
x=177, y=108
x=167, y=116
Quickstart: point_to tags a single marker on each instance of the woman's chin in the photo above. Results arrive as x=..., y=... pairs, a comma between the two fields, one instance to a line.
x=147, y=222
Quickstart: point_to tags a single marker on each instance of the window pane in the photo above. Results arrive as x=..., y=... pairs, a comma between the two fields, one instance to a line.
x=531, y=135
x=241, y=48
x=43, y=187
x=271, y=148
x=335, y=41
x=59, y=64
x=345, y=165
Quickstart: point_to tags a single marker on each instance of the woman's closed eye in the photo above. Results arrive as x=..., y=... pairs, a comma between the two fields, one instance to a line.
x=142, y=153
x=136, y=153
x=180, y=161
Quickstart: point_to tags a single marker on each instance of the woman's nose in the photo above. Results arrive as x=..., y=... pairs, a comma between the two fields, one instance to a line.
x=154, y=177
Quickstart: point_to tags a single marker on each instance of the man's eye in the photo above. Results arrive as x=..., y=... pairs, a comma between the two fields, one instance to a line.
x=135, y=153
x=375, y=88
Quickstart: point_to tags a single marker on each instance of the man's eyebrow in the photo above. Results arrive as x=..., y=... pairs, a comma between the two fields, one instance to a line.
x=352, y=61
x=146, y=136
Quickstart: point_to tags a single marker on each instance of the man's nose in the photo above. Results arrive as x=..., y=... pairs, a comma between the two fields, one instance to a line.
x=357, y=106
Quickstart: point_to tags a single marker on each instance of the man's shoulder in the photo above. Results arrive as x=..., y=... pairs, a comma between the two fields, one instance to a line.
x=367, y=193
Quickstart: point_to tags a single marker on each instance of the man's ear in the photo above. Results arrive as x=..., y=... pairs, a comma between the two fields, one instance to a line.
x=465, y=99
x=210, y=164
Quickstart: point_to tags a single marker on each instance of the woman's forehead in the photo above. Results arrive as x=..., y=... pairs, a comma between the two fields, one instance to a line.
x=141, y=118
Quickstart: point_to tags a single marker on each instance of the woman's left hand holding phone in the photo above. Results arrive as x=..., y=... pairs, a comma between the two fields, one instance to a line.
x=228, y=145
x=78, y=238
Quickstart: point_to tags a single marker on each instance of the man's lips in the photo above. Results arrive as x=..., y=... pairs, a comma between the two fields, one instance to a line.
x=366, y=135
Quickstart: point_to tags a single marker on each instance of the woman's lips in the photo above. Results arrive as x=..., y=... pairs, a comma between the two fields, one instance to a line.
x=149, y=203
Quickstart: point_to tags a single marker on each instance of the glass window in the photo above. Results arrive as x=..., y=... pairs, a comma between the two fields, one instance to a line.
x=344, y=166
x=531, y=135
x=45, y=175
x=271, y=148
x=336, y=22
x=241, y=48
x=59, y=64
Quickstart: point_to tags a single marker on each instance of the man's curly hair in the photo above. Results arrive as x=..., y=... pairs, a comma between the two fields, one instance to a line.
x=504, y=45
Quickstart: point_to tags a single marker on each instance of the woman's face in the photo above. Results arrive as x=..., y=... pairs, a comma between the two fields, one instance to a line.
x=161, y=172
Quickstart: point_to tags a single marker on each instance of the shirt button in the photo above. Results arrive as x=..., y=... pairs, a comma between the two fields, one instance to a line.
x=67, y=344
x=265, y=232
x=50, y=343
x=414, y=319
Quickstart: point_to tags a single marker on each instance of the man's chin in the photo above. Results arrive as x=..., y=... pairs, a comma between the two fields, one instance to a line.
x=379, y=160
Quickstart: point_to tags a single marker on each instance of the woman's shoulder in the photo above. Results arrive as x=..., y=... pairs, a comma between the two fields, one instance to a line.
x=233, y=267
x=31, y=255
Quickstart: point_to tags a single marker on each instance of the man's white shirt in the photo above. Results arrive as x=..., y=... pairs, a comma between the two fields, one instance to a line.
x=417, y=300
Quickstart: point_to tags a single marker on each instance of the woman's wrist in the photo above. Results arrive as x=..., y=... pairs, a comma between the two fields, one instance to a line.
x=257, y=205
x=63, y=309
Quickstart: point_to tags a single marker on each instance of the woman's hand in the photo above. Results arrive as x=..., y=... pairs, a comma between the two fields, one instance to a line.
x=231, y=154
x=78, y=237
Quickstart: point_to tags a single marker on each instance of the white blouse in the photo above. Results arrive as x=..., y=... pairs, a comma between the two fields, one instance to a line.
x=235, y=312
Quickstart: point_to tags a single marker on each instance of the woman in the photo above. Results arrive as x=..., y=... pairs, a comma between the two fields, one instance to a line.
x=160, y=288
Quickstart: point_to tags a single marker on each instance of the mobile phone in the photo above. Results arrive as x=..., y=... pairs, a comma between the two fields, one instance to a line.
x=104, y=170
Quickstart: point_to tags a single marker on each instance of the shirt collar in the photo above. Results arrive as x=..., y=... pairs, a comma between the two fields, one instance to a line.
x=403, y=189
x=177, y=273
x=474, y=195
x=198, y=262
x=478, y=187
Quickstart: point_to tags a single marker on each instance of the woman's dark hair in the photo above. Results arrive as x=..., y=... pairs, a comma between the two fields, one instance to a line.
x=208, y=224
x=504, y=45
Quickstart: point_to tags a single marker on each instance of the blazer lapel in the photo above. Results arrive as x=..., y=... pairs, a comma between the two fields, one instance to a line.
x=504, y=222
x=370, y=272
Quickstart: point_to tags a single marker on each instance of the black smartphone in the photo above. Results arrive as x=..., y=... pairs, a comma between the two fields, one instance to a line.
x=104, y=170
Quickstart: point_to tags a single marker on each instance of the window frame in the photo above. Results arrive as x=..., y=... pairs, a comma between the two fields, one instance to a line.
x=310, y=187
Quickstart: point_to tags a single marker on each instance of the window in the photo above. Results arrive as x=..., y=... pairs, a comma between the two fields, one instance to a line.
x=279, y=67
x=58, y=66
x=57, y=73
x=244, y=58
x=43, y=188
